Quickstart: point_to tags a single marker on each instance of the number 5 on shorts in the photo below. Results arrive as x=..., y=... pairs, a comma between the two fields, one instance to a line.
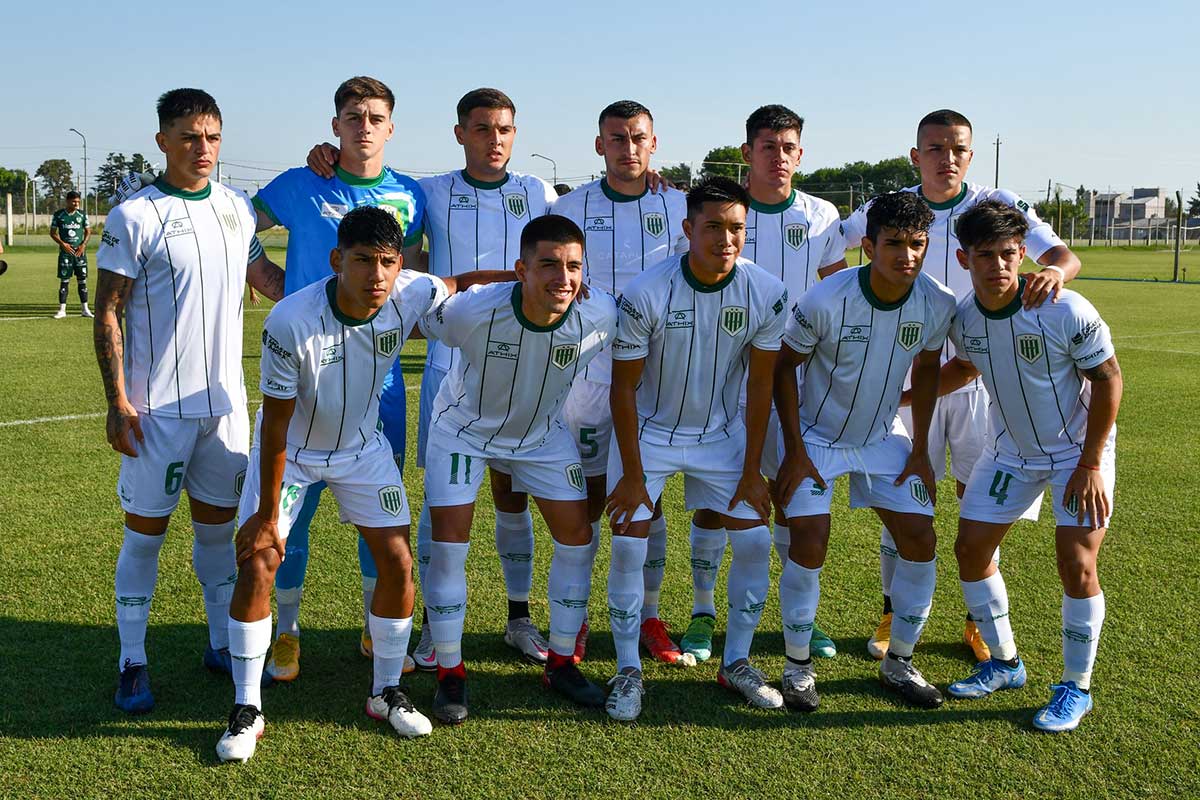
x=174, y=477
x=587, y=442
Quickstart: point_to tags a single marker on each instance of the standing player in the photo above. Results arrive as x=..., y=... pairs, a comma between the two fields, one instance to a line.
x=942, y=155
x=474, y=221
x=311, y=207
x=627, y=229
x=69, y=230
x=858, y=332
x=325, y=350
x=1058, y=356
x=797, y=238
x=691, y=329
x=172, y=262
x=518, y=347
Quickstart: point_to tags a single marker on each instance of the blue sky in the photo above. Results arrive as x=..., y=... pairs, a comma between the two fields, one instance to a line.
x=1093, y=93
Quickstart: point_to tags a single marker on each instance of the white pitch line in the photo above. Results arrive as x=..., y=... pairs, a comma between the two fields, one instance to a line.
x=409, y=389
x=1152, y=335
x=14, y=319
x=1161, y=350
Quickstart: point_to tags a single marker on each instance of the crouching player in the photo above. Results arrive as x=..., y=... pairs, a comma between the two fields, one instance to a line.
x=692, y=328
x=1058, y=355
x=859, y=330
x=325, y=352
x=521, y=345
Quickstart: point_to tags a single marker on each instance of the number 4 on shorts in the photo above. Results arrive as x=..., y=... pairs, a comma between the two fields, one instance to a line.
x=999, y=488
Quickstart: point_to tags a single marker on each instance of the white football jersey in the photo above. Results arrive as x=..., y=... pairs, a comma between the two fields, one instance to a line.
x=1031, y=362
x=505, y=392
x=859, y=351
x=793, y=239
x=696, y=341
x=623, y=235
x=186, y=253
x=475, y=225
x=334, y=365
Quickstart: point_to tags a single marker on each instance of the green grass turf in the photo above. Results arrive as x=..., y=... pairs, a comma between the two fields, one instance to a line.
x=61, y=531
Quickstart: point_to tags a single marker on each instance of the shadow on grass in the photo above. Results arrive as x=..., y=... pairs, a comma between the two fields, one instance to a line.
x=40, y=308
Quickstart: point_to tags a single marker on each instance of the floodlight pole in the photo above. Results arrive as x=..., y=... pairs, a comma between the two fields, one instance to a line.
x=553, y=164
x=997, y=182
x=1178, y=231
x=85, y=171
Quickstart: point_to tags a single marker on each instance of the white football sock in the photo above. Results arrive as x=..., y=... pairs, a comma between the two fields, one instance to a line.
x=912, y=597
x=887, y=560
x=799, y=595
x=569, y=586
x=987, y=600
x=248, y=645
x=655, y=567
x=708, y=550
x=368, y=596
x=287, y=606
x=215, y=564
x=446, y=599
x=424, y=542
x=389, y=639
x=514, y=545
x=137, y=573
x=625, y=590
x=783, y=541
x=1082, y=620
x=749, y=584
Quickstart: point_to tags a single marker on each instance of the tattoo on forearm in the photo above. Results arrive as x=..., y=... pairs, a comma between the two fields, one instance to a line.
x=1103, y=372
x=267, y=277
x=106, y=331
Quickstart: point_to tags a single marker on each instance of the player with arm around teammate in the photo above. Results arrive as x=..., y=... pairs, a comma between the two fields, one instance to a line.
x=325, y=350
x=857, y=332
x=1057, y=356
x=692, y=328
x=519, y=348
x=69, y=230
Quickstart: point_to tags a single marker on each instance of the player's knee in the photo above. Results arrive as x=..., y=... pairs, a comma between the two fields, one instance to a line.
x=707, y=519
x=751, y=545
x=1078, y=574
x=259, y=570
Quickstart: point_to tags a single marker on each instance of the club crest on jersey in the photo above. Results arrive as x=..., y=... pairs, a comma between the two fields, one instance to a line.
x=654, y=223
x=919, y=492
x=908, y=334
x=682, y=318
x=794, y=235
x=1029, y=347
x=564, y=355
x=387, y=342
x=516, y=205
x=733, y=319
x=391, y=500
x=575, y=476
x=229, y=220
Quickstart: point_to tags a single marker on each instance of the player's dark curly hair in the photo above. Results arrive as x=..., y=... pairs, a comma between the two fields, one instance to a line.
x=179, y=103
x=943, y=116
x=624, y=109
x=717, y=189
x=371, y=226
x=990, y=221
x=901, y=211
x=483, y=98
x=548, y=228
x=773, y=118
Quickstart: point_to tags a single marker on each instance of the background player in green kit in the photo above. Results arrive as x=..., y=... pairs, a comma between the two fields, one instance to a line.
x=69, y=230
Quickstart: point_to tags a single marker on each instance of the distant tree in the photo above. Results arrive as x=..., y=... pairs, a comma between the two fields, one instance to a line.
x=110, y=173
x=866, y=180
x=138, y=163
x=1172, y=208
x=679, y=174
x=1060, y=217
x=55, y=175
x=12, y=181
x=1193, y=209
x=724, y=161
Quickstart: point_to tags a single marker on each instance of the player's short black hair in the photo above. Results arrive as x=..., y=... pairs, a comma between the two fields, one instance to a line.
x=901, y=211
x=773, y=118
x=562, y=188
x=370, y=226
x=73, y=195
x=483, y=98
x=943, y=116
x=179, y=103
x=990, y=221
x=548, y=228
x=717, y=189
x=359, y=88
x=624, y=109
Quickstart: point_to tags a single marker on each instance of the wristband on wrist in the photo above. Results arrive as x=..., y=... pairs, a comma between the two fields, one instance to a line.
x=1082, y=465
x=1061, y=274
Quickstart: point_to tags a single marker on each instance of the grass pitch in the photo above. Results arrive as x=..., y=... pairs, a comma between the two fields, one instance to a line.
x=61, y=530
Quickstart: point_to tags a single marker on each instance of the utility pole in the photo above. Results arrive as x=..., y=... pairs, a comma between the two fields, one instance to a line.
x=996, y=184
x=85, y=171
x=1178, y=231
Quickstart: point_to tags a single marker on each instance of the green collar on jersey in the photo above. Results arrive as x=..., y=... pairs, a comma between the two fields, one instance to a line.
x=695, y=283
x=530, y=325
x=951, y=203
x=161, y=184
x=331, y=293
x=478, y=184
x=617, y=197
x=774, y=208
x=1004, y=313
x=864, y=281
x=354, y=180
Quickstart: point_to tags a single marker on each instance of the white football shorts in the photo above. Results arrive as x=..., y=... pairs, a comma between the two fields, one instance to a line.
x=589, y=418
